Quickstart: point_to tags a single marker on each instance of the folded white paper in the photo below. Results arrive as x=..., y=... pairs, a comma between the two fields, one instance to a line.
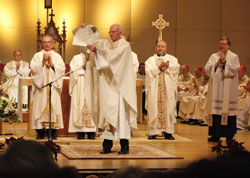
x=84, y=36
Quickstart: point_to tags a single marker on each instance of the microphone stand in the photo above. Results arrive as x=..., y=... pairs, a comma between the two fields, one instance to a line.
x=50, y=85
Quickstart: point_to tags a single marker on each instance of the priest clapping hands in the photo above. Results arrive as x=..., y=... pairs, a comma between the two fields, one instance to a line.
x=17, y=66
x=47, y=60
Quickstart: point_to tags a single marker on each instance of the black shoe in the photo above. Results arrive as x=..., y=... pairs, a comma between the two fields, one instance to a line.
x=203, y=124
x=152, y=137
x=80, y=135
x=124, y=146
x=91, y=135
x=184, y=122
x=213, y=139
x=168, y=136
x=40, y=134
x=39, y=138
x=105, y=152
x=54, y=134
x=194, y=122
x=123, y=152
x=107, y=146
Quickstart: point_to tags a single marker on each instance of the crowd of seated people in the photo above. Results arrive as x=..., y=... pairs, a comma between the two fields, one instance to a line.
x=192, y=103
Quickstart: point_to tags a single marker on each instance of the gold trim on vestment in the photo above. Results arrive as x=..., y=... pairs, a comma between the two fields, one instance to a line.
x=161, y=102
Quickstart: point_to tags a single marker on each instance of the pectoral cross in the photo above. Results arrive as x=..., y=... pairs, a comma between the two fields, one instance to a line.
x=160, y=24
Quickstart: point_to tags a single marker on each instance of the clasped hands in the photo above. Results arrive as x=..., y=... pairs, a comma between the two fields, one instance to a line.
x=163, y=66
x=222, y=59
x=17, y=66
x=47, y=60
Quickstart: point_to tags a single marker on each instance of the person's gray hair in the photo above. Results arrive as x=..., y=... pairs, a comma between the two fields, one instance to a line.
x=14, y=52
x=119, y=26
x=48, y=36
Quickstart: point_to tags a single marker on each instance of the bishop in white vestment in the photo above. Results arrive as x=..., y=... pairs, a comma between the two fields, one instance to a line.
x=189, y=99
x=222, y=101
x=161, y=92
x=185, y=80
x=46, y=66
x=83, y=92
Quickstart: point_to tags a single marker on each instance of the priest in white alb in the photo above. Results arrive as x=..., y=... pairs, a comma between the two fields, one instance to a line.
x=83, y=91
x=46, y=66
x=222, y=101
x=13, y=70
x=161, y=91
x=117, y=88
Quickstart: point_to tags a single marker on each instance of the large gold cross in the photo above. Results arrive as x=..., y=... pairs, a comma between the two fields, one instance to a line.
x=160, y=24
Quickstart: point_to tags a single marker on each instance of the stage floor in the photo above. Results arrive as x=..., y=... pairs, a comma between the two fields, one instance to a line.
x=191, y=144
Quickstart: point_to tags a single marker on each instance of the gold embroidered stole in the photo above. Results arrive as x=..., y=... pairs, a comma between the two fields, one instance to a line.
x=86, y=116
x=161, y=102
x=46, y=110
x=113, y=45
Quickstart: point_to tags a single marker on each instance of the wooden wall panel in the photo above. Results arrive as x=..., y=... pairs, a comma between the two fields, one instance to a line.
x=235, y=15
x=144, y=12
x=195, y=47
x=197, y=14
x=193, y=34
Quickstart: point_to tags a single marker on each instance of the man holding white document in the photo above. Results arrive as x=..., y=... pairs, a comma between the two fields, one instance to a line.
x=117, y=85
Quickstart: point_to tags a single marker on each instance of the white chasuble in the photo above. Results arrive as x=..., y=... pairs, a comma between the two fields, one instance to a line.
x=117, y=84
x=40, y=76
x=117, y=87
x=161, y=94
